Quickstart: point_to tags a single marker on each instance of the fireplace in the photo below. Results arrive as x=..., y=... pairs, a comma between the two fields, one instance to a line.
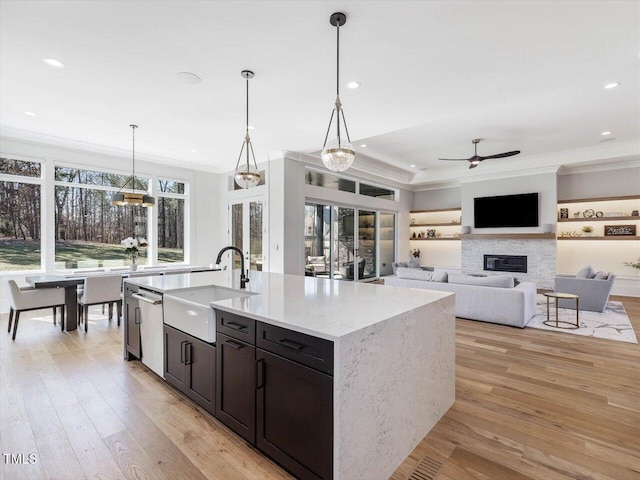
x=506, y=263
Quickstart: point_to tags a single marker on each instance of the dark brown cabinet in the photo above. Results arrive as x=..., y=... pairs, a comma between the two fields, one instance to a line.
x=131, y=323
x=295, y=416
x=190, y=366
x=236, y=385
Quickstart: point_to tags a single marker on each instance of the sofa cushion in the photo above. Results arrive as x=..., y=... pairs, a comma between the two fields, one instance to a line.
x=601, y=276
x=419, y=274
x=500, y=281
x=396, y=265
x=586, y=272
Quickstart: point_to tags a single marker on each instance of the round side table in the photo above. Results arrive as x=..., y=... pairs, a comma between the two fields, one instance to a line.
x=562, y=296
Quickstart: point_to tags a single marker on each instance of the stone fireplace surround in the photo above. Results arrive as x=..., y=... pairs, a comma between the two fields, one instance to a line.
x=541, y=257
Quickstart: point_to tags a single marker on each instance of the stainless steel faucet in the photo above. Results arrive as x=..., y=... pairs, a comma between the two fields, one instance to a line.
x=244, y=279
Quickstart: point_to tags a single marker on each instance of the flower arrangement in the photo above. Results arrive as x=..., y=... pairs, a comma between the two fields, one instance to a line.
x=633, y=264
x=587, y=229
x=415, y=253
x=131, y=247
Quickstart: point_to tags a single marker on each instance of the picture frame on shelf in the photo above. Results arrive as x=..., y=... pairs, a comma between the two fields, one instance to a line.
x=619, y=230
x=564, y=213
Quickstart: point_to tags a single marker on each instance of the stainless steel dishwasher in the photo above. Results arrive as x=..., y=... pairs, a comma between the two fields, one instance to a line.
x=150, y=318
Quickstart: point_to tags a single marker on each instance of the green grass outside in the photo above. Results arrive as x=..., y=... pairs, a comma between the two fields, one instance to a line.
x=25, y=255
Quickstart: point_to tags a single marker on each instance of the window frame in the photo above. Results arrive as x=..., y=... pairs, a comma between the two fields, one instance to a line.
x=186, y=197
x=7, y=177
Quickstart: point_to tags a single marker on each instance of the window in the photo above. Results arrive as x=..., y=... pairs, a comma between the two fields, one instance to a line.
x=20, y=204
x=171, y=200
x=89, y=229
x=328, y=180
x=378, y=192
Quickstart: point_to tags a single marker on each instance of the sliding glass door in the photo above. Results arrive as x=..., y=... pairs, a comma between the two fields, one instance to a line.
x=344, y=243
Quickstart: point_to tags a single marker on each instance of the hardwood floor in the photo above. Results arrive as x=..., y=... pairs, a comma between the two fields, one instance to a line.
x=529, y=404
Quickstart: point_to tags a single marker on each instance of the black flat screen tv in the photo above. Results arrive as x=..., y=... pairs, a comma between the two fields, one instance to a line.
x=506, y=211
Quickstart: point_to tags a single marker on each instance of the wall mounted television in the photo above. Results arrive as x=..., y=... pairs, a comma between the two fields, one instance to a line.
x=506, y=211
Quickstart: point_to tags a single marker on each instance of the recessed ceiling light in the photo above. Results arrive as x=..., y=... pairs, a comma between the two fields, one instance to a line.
x=251, y=127
x=53, y=62
x=606, y=133
x=353, y=84
x=194, y=150
x=189, y=78
x=612, y=85
x=31, y=114
x=412, y=165
x=363, y=145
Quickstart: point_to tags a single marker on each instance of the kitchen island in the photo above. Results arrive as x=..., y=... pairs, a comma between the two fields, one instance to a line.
x=390, y=378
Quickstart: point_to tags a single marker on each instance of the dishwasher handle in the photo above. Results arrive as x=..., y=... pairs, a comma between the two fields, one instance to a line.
x=152, y=301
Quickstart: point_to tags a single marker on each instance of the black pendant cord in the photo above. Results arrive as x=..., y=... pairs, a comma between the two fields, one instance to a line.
x=133, y=163
x=338, y=103
x=247, y=138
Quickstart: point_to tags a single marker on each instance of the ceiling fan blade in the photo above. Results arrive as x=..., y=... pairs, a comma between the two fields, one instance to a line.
x=455, y=159
x=501, y=155
x=473, y=165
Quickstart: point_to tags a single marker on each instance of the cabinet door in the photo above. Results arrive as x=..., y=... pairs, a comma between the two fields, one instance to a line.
x=175, y=370
x=200, y=358
x=295, y=416
x=236, y=386
x=132, y=327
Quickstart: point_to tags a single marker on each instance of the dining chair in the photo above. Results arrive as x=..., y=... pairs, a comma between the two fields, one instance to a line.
x=24, y=300
x=100, y=290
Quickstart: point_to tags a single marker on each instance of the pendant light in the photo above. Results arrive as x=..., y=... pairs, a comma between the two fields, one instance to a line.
x=338, y=154
x=133, y=198
x=247, y=176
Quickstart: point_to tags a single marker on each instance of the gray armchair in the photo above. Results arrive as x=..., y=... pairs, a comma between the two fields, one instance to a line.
x=593, y=293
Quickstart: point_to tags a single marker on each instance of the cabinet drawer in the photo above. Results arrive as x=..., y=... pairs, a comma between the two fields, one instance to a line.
x=236, y=326
x=311, y=351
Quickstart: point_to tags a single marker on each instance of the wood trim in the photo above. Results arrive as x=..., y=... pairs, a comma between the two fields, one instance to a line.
x=433, y=239
x=628, y=237
x=438, y=210
x=597, y=219
x=521, y=236
x=602, y=199
x=450, y=224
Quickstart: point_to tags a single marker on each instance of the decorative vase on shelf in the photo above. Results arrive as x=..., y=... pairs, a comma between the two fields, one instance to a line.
x=133, y=267
x=413, y=262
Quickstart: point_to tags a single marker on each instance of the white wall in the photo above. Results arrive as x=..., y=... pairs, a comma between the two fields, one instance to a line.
x=437, y=199
x=602, y=183
x=202, y=220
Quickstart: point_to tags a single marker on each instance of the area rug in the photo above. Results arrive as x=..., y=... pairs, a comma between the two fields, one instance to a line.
x=612, y=324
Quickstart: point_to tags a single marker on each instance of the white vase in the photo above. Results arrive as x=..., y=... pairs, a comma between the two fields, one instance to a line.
x=133, y=267
x=413, y=262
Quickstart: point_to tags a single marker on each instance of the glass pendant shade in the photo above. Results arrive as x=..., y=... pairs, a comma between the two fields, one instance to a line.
x=338, y=157
x=247, y=176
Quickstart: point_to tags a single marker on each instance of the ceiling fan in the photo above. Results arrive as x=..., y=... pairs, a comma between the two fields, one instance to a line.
x=476, y=159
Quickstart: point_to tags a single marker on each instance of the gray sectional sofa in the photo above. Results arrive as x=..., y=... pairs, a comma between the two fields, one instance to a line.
x=494, y=299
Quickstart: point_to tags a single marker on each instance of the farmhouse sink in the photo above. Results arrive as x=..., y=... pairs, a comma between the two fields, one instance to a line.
x=190, y=312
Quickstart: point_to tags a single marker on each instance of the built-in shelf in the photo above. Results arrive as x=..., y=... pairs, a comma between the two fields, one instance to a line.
x=444, y=224
x=629, y=237
x=601, y=199
x=437, y=210
x=508, y=236
x=434, y=239
x=598, y=219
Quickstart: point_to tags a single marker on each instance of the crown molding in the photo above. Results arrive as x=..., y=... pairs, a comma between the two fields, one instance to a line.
x=616, y=164
x=41, y=140
x=502, y=175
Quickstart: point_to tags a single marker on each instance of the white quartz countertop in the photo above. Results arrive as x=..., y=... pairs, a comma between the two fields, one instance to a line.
x=323, y=308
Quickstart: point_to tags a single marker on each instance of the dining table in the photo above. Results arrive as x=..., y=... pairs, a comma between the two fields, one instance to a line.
x=70, y=284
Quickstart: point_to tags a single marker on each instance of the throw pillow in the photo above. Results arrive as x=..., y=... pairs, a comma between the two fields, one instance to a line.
x=500, y=281
x=586, y=272
x=396, y=265
x=601, y=276
x=419, y=274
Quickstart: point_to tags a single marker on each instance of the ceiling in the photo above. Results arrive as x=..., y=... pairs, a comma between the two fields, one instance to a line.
x=521, y=75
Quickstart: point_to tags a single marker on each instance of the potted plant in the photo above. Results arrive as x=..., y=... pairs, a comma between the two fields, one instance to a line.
x=588, y=230
x=131, y=246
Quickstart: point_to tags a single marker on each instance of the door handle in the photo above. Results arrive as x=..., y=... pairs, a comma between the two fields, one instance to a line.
x=285, y=342
x=235, y=326
x=260, y=373
x=182, y=351
x=136, y=316
x=188, y=353
x=234, y=344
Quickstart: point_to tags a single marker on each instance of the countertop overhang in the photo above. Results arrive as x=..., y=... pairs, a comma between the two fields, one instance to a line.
x=328, y=309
